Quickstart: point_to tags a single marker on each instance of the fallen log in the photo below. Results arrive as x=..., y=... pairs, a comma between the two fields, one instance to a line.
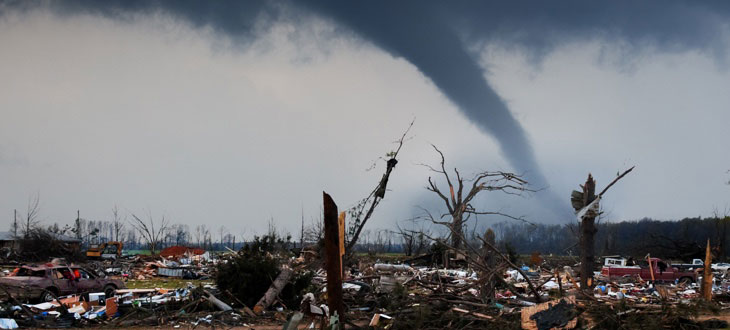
x=273, y=291
x=217, y=302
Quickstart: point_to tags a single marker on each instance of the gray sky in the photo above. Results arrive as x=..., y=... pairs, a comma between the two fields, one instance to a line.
x=207, y=124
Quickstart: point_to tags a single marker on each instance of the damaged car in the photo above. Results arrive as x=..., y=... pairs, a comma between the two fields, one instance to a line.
x=46, y=281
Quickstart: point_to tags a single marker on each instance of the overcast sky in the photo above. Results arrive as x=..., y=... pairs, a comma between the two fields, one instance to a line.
x=153, y=110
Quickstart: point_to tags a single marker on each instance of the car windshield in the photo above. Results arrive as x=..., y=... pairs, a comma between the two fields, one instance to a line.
x=31, y=272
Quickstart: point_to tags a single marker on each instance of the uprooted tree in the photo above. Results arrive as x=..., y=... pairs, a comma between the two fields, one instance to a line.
x=361, y=213
x=487, y=259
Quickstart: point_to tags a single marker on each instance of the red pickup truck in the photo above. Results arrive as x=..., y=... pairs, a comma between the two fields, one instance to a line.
x=663, y=272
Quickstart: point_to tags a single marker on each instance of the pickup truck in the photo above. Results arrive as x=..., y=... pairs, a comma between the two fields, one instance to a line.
x=662, y=272
x=696, y=264
x=699, y=264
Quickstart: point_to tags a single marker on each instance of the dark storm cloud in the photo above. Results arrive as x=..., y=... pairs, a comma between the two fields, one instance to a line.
x=436, y=38
x=236, y=19
x=539, y=26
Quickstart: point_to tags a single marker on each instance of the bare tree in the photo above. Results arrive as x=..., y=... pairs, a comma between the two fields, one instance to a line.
x=379, y=241
x=181, y=234
x=315, y=231
x=459, y=210
x=31, y=215
x=117, y=223
x=151, y=231
x=272, y=230
x=14, y=226
x=415, y=240
x=201, y=235
x=222, y=232
x=459, y=202
x=361, y=213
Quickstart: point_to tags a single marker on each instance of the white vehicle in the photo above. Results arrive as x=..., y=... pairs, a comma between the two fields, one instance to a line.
x=720, y=267
x=610, y=262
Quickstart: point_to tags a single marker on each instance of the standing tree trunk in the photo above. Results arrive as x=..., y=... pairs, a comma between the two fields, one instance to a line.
x=588, y=231
x=457, y=227
x=333, y=258
x=490, y=260
x=580, y=202
x=707, y=274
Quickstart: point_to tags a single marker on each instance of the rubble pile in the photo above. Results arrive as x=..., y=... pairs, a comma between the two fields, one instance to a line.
x=129, y=307
x=398, y=296
x=391, y=295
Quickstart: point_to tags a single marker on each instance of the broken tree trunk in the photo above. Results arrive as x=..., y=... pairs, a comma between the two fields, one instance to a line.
x=707, y=274
x=490, y=260
x=273, y=291
x=333, y=257
x=586, y=205
x=587, y=230
x=217, y=302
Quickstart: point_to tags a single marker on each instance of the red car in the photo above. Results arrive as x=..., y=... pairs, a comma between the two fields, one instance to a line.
x=663, y=272
x=42, y=282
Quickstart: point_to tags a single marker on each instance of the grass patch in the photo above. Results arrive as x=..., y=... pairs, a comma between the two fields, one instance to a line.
x=162, y=282
x=137, y=252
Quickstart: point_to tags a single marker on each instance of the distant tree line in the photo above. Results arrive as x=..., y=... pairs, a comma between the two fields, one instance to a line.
x=677, y=240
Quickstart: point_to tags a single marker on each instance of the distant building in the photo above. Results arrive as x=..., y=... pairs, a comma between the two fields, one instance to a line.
x=7, y=240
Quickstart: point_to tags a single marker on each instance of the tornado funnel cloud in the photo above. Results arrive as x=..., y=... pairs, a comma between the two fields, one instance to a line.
x=441, y=56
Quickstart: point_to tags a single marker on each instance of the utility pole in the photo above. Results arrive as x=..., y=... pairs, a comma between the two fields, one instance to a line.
x=15, y=224
x=78, y=224
x=301, y=235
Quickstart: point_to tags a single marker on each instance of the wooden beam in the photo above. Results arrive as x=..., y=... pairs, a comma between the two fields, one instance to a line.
x=333, y=257
x=651, y=268
x=341, y=226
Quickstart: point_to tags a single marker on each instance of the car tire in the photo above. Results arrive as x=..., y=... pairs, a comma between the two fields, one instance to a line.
x=47, y=295
x=110, y=290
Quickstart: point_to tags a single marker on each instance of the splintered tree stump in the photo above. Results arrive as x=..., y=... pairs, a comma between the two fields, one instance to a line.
x=333, y=257
x=588, y=231
x=707, y=274
x=490, y=260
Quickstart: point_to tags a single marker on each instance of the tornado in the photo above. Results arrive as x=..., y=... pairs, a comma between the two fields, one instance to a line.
x=416, y=35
